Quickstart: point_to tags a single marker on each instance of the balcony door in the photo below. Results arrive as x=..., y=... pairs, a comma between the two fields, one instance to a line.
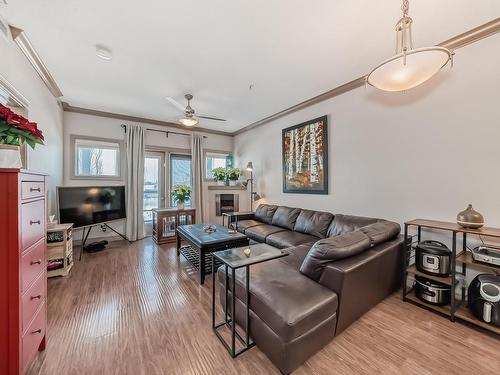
x=154, y=184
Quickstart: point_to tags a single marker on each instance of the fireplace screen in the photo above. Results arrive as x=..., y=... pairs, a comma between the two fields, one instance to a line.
x=226, y=203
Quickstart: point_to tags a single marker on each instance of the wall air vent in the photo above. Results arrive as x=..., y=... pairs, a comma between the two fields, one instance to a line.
x=5, y=29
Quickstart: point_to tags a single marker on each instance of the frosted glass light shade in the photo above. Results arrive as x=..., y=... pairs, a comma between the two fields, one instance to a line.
x=189, y=121
x=421, y=65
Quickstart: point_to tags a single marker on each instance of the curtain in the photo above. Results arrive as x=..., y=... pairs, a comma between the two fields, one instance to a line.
x=197, y=171
x=134, y=143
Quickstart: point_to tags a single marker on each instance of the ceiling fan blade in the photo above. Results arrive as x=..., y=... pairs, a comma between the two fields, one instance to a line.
x=211, y=118
x=176, y=104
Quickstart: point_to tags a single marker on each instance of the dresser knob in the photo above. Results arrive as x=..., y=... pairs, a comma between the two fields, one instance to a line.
x=34, y=222
x=35, y=189
x=36, y=262
x=36, y=297
x=37, y=331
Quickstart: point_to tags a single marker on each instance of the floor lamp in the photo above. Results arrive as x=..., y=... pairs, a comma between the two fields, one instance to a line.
x=254, y=196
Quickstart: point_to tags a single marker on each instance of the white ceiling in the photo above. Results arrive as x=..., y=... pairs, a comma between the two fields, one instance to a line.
x=290, y=50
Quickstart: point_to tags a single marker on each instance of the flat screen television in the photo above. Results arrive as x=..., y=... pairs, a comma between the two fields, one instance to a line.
x=89, y=205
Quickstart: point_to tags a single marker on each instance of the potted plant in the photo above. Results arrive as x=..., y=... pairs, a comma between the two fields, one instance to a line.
x=15, y=130
x=233, y=174
x=220, y=175
x=181, y=194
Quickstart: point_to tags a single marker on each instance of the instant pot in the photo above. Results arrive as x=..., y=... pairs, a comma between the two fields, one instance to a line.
x=433, y=257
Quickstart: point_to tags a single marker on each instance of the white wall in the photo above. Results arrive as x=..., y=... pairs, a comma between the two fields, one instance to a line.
x=425, y=153
x=43, y=109
x=89, y=125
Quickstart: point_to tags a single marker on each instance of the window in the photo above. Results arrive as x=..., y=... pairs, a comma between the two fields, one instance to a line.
x=180, y=173
x=215, y=160
x=96, y=158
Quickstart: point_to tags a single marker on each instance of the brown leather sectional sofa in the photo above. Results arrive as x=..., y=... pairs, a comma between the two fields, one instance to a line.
x=339, y=267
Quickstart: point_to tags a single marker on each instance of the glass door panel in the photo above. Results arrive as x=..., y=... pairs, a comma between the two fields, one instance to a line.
x=154, y=187
x=180, y=173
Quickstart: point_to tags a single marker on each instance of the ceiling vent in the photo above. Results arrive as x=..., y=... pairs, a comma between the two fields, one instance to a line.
x=5, y=29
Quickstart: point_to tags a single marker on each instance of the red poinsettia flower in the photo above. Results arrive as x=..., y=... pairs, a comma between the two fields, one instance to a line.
x=5, y=111
x=19, y=122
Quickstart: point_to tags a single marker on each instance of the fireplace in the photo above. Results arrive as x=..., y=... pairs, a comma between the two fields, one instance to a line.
x=226, y=203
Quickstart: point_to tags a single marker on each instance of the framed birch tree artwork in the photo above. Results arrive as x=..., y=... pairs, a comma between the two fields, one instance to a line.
x=305, y=157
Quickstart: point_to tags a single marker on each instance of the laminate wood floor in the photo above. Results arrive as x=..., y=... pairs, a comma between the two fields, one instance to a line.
x=137, y=309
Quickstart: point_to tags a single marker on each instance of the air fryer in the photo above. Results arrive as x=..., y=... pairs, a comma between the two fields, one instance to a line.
x=484, y=298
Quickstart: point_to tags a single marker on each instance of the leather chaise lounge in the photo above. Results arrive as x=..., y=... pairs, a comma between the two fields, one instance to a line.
x=339, y=267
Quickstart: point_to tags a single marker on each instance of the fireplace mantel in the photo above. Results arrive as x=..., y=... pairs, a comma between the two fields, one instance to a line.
x=218, y=187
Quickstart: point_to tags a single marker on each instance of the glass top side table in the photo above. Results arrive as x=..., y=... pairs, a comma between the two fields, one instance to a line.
x=239, y=257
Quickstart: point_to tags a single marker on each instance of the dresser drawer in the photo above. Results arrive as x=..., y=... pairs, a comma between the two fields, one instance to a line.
x=33, y=337
x=32, y=223
x=32, y=189
x=32, y=299
x=32, y=263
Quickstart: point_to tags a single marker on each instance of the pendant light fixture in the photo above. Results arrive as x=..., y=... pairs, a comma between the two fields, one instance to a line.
x=409, y=67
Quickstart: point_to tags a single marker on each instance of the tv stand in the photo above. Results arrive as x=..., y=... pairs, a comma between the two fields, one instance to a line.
x=103, y=226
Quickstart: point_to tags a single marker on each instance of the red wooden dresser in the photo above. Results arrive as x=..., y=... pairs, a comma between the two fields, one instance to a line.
x=23, y=279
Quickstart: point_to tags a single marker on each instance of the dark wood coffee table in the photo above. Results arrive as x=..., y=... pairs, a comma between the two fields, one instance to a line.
x=203, y=244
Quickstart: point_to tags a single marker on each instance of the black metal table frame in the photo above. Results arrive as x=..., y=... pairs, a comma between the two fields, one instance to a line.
x=202, y=251
x=236, y=216
x=231, y=323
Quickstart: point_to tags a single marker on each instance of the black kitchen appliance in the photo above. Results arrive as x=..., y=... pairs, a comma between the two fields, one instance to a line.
x=432, y=291
x=484, y=298
x=433, y=257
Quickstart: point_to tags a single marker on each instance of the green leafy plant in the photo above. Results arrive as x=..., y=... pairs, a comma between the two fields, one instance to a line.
x=16, y=130
x=233, y=174
x=220, y=174
x=181, y=193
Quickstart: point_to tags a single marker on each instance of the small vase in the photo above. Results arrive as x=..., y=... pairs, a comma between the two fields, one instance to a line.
x=220, y=183
x=180, y=205
x=10, y=156
x=470, y=218
x=232, y=183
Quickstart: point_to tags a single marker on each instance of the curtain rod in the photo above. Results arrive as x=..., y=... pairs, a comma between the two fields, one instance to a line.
x=167, y=132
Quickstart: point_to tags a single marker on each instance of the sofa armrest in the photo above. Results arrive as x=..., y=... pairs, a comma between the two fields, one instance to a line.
x=364, y=280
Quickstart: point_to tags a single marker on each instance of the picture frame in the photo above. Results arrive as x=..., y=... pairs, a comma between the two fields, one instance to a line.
x=305, y=157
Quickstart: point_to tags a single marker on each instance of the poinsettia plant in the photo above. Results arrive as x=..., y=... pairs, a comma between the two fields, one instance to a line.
x=16, y=130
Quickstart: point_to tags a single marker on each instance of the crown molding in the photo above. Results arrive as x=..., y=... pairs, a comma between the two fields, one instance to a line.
x=23, y=42
x=11, y=95
x=483, y=31
x=87, y=111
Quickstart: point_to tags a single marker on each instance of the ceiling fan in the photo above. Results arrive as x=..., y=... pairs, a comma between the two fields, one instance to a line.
x=190, y=119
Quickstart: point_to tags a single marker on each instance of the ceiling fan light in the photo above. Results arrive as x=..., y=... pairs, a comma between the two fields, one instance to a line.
x=189, y=121
x=405, y=71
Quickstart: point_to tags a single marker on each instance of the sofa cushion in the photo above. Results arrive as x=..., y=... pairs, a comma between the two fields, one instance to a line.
x=287, y=301
x=297, y=255
x=260, y=232
x=347, y=223
x=243, y=225
x=265, y=213
x=381, y=232
x=285, y=217
x=334, y=248
x=288, y=238
x=314, y=223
